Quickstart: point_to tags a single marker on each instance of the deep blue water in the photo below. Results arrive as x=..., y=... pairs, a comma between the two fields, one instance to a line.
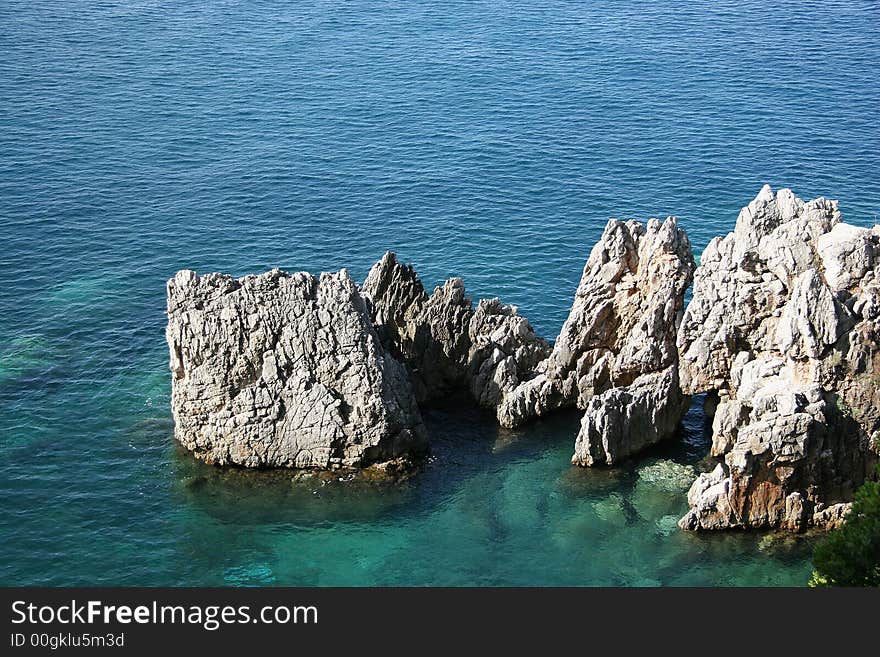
x=490, y=140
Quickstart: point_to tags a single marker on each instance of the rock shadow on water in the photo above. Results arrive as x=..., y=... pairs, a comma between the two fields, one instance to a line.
x=549, y=432
x=247, y=496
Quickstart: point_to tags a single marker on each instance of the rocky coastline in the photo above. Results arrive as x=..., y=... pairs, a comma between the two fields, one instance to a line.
x=781, y=334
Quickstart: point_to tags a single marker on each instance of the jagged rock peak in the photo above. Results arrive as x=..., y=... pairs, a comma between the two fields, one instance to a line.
x=445, y=343
x=503, y=352
x=428, y=333
x=744, y=280
x=622, y=323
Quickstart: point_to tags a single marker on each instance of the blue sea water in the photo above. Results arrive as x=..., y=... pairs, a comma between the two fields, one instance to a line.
x=487, y=139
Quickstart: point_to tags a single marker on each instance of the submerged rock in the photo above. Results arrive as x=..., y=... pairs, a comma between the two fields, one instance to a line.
x=285, y=370
x=783, y=326
x=660, y=489
x=667, y=475
x=622, y=324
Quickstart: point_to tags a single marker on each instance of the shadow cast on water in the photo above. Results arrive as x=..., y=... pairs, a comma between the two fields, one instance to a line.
x=466, y=441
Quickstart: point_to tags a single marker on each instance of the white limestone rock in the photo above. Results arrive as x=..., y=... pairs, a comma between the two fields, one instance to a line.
x=783, y=327
x=745, y=280
x=427, y=333
x=812, y=319
x=285, y=370
x=793, y=454
x=503, y=351
x=622, y=324
x=623, y=421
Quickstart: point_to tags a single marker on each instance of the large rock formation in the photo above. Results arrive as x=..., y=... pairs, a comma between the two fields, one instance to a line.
x=286, y=370
x=783, y=326
x=622, y=323
x=445, y=343
x=616, y=354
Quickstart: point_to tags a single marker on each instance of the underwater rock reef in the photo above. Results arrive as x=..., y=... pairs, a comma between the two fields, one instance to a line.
x=293, y=370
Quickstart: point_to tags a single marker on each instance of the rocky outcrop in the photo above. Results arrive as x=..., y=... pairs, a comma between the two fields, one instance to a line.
x=616, y=354
x=286, y=370
x=427, y=333
x=625, y=420
x=791, y=458
x=445, y=343
x=744, y=280
x=504, y=350
x=298, y=371
x=783, y=326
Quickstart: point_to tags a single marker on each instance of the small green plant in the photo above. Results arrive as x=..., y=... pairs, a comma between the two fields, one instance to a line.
x=850, y=555
x=843, y=407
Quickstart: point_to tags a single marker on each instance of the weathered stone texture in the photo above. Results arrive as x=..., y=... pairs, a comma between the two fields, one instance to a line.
x=285, y=370
x=783, y=327
x=622, y=324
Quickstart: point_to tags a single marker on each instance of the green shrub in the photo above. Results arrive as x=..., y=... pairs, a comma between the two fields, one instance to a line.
x=850, y=555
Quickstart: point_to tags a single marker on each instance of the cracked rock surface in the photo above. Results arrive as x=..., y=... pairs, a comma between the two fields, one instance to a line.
x=622, y=323
x=783, y=325
x=503, y=351
x=285, y=370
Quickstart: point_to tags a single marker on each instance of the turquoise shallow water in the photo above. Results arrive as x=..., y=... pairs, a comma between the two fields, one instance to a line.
x=490, y=140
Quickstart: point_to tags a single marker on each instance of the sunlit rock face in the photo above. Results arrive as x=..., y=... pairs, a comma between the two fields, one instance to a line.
x=616, y=355
x=286, y=370
x=783, y=324
x=622, y=324
x=625, y=420
x=300, y=371
x=504, y=351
